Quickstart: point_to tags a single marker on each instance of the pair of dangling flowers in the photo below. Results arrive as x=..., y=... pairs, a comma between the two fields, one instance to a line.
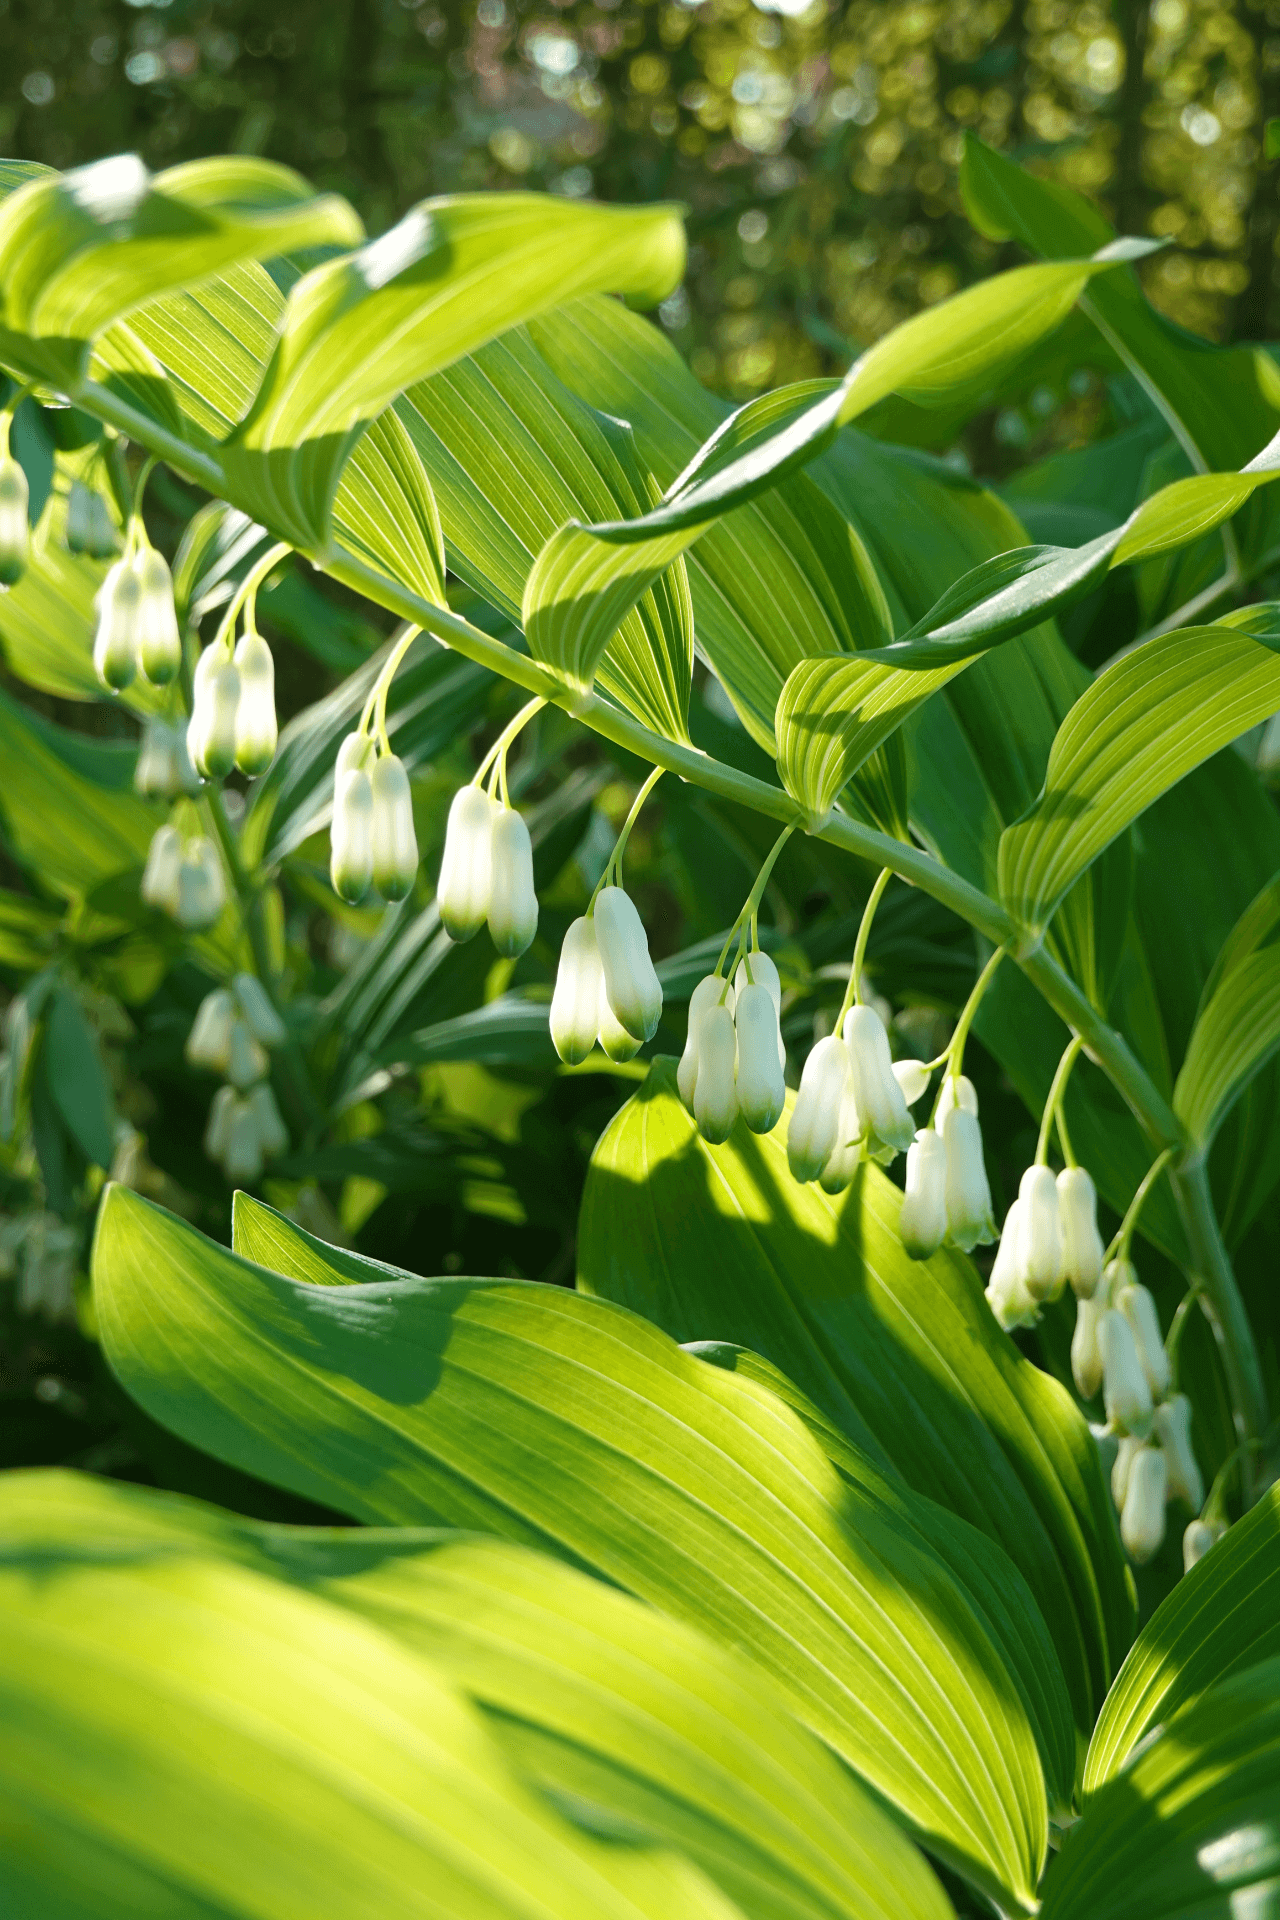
x=233, y=696
x=607, y=988
x=183, y=875
x=486, y=871
x=137, y=622
x=233, y=1031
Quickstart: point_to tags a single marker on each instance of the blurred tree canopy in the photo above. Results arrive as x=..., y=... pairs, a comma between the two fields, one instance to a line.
x=816, y=145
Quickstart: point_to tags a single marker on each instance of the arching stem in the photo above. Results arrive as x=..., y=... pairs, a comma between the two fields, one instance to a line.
x=1071, y=1054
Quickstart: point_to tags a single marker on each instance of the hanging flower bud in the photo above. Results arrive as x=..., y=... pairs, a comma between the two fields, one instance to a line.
x=263, y=1021
x=1172, y=1422
x=513, y=903
x=215, y=696
x=246, y=1057
x=765, y=974
x=1139, y=1309
x=159, y=642
x=272, y=1134
x=957, y=1091
x=707, y=993
x=220, y=1111
x=79, y=518
x=395, y=844
x=1081, y=1241
x=202, y=892
x=634, y=990
x=575, y=1004
x=351, y=831
x=242, y=1151
x=1126, y=1395
x=1008, y=1299
x=14, y=530
x=846, y=1155
x=163, y=769
x=256, y=731
x=1039, y=1245
x=880, y=1103
x=465, y=886
x=161, y=874
x=922, y=1224
x=617, y=1043
x=1121, y=1467
x=1086, y=1354
x=913, y=1077
x=115, y=645
x=1142, y=1519
x=715, y=1097
x=762, y=1091
x=1197, y=1540
x=209, y=1040
x=815, y=1118
x=969, y=1218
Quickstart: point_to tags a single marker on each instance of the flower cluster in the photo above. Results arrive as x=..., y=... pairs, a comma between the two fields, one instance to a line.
x=233, y=707
x=233, y=1029
x=372, y=841
x=137, y=623
x=14, y=532
x=1050, y=1240
x=183, y=878
x=486, y=873
x=606, y=987
x=163, y=768
x=734, y=1059
x=852, y=1101
x=947, y=1198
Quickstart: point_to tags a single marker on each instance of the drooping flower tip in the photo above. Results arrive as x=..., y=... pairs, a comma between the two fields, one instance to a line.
x=159, y=644
x=715, y=1098
x=709, y=992
x=922, y=1224
x=465, y=887
x=1081, y=1242
x=815, y=1117
x=1142, y=1516
x=1172, y=1424
x=575, y=1004
x=1126, y=1393
x=631, y=983
x=395, y=841
x=513, y=901
x=1199, y=1537
x=882, y=1109
x=215, y=696
x=970, y=1221
x=762, y=1091
x=256, y=728
x=1039, y=1245
x=163, y=768
x=115, y=655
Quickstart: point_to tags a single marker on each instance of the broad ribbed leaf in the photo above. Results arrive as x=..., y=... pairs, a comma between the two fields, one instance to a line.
x=1191, y=1826
x=833, y=714
x=67, y=805
x=1238, y=1024
x=81, y=249
x=1220, y=1618
x=452, y=274
x=720, y=1243
x=189, y=1737
x=1144, y=723
x=578, y=1427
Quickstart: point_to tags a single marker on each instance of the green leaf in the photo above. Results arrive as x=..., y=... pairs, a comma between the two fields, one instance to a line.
x=68, y=812
x=569, y=1424
x=189, y=1737
x=1191, y=1826
x=78, y=1080
x=81, y=249
x=833, y=714
x=452, y=274
x=1143, y=723
x=1237, y=1027
x=904, y=1358
x=1221, y=1618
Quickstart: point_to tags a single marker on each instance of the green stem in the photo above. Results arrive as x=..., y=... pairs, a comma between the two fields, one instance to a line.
x=247, y=589
x=853, y=992
x=1173, y=1339
x=751, y=905
x=1223, y=1308
x=507, y=736
x=1056, y=1091
x=385, y=678
x=1119, y=1248
x=620, y=847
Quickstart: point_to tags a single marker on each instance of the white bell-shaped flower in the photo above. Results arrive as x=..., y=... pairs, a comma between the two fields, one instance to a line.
x=815, y=1117
x=1125, y=1291
x=159, y=642
x=715, y=1097
x=616, y=1042
x=765, y=974
x=273, y=1135
x=708, y=993
x=1008, y=1299
x=1172, y=1424
x=1142, y=1517
x=220, y=1112
x=913, y=1077
x=1197, y=1540
x=575, y=1004
x=163, y=768
x=969, y=1218
x=246, y=1057
x=202, y=891
x=215, y=698
x=256, y=728
x=1086, y=1354
x=762, y=1091
x=957, y=1090
x=1126, y=1395
x=115, y=644
x=79, y=518
x=242, y=1151
x=880, y=1103
x=395, y=842
x=14, y=530
x=513, y=903
x=264, y=1022
x=1081, y=1242
x=161, y=874
x=922, y=1224
x=846, y=1155
x=351, y=831
x=209, y=1040
x=1039, y=1245
x=633, y=987
x=1127, y=1452
x=465, y=886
